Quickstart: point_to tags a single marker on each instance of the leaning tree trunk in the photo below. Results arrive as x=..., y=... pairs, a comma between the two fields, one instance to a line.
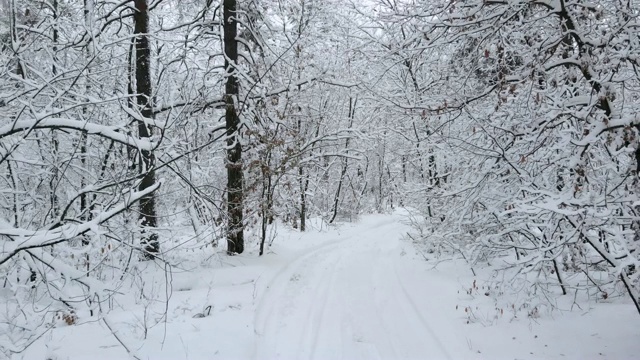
x=343, y=172
x=235, y=234
x=148, y=219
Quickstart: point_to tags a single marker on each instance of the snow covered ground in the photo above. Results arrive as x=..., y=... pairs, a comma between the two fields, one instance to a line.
x=354, y=291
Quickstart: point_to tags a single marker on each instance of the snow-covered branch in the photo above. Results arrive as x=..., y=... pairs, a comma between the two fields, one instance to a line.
x=24, y=239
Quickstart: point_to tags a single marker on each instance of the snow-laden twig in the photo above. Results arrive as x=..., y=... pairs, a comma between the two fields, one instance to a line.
x=24, y=239
x=110, y=132
x=115, y=335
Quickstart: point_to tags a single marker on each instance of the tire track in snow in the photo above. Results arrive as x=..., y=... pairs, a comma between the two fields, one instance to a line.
x=415, y=309
x=372, y=310
x=313, y=252
x=359, y=306
x=279, y=280
x=266, y=318
x=416, y=338
x=319, y=314
x=350, y=272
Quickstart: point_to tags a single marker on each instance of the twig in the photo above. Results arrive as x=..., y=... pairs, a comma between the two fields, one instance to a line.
x=120, y=341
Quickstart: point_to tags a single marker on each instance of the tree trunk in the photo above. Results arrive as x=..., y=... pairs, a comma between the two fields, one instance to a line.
x=304, y=185
x=343, y=172
x=235, y=234
x=304, y=181
x=148, y=217
x=13, y=28
x=267, y=197
x=84, y=213
x=54, y=211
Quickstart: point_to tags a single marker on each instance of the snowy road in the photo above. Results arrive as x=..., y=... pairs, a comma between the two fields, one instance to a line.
x=350, y=299
x=353, y=291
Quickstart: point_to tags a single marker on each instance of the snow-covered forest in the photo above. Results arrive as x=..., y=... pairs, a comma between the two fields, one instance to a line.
x=260, y=179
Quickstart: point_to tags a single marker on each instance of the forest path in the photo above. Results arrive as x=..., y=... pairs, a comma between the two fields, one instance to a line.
x=356, y=297
x=353, y=291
